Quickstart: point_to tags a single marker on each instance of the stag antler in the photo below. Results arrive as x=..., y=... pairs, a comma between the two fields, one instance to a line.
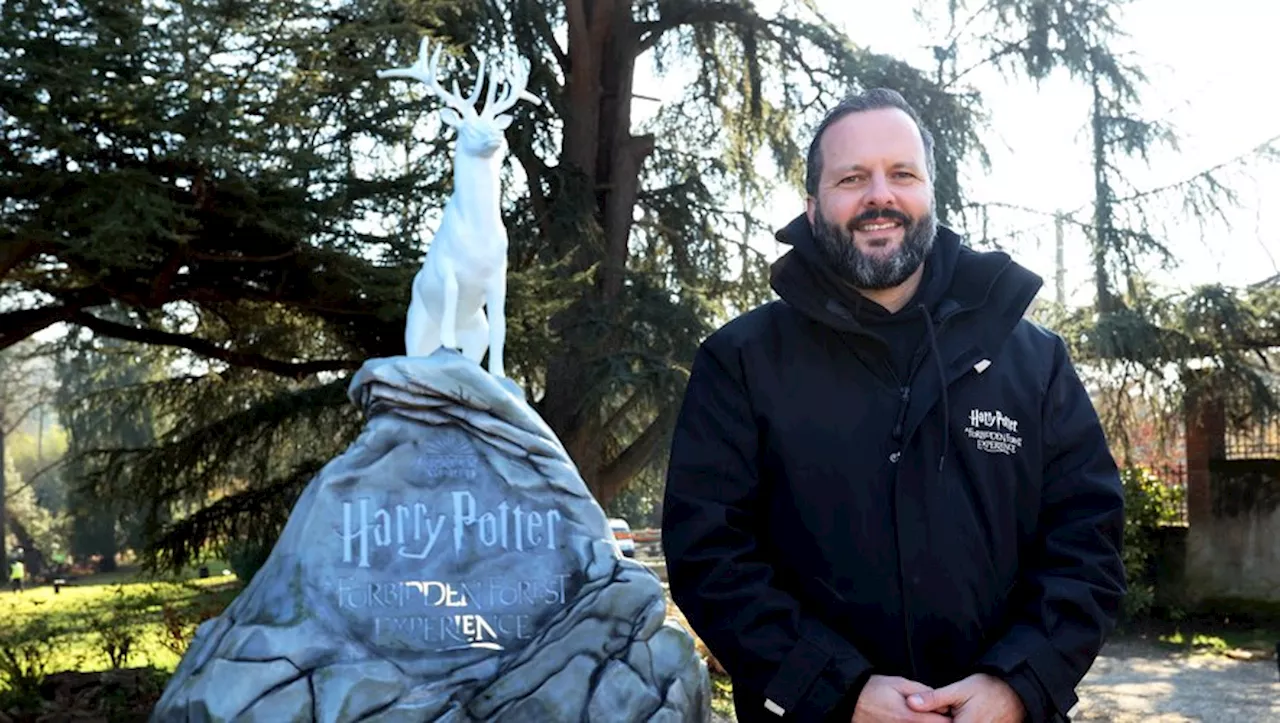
x=426, y=70
x=514, y=92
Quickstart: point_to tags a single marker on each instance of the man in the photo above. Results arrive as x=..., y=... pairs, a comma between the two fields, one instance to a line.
x=889, y=496
x=17, y=575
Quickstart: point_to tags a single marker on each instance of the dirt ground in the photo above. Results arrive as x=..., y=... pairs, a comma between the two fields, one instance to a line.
x=1134, y=681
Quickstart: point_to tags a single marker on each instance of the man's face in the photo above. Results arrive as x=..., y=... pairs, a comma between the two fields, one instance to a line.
x=873, y=213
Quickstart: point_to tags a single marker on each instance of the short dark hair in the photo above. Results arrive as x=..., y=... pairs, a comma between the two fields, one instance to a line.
x=874, y=99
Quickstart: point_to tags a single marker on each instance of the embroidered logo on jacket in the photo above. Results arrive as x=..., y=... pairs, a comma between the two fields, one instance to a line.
x=993, y=432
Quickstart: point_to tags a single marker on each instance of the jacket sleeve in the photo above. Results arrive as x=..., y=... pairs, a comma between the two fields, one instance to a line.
x=1072, y=582
x=713, y=511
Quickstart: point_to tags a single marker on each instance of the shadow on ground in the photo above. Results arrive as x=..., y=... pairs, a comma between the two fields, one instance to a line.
x=1141, y=681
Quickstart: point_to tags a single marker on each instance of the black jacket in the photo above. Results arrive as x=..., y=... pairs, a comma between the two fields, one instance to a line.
x=824, y=521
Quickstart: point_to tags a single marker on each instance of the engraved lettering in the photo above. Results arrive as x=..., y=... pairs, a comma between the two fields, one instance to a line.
x=420, y=514
x=355, y=530
x=464, y=514
x=502, y=532
x=517, y=513
x=402, y=517
x=471, y=596
x=488, y=529
x=382, y=532
x=416, y=530
x=535, y=525
x=553, y=516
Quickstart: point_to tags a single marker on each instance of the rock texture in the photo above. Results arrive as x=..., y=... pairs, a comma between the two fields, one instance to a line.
x=449, y=566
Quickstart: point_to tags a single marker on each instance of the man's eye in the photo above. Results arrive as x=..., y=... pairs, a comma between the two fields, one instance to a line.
x=904, y=174
x=851, y=179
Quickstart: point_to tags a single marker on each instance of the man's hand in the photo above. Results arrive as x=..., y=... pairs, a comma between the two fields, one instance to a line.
x=980, y=698
x=884, y=700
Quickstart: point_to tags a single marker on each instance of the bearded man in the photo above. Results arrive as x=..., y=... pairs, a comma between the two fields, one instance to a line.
x=889, y=496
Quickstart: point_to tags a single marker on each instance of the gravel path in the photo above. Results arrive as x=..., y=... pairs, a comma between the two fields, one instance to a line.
x=1134, y=681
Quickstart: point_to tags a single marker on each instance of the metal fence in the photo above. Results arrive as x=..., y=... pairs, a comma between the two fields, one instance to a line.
x=1175, y=476
x=1261, y=440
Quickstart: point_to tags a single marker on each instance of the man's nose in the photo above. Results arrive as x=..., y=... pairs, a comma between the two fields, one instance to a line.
x=878, y=193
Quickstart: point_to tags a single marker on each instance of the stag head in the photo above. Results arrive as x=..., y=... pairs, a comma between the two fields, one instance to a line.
x=479, y=132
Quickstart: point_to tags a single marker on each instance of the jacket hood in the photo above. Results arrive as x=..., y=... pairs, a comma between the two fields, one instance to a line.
x=956, y=278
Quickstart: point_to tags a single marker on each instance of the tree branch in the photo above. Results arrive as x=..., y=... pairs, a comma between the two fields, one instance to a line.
x=722, y=12
x=239, y=258
x=163, y=282
x=543, y=25
x=13, y=494
x=1269, y=145
x=18, y=325
x=623, y=410
x=1011, y=46
x=205, y=348
x=34, y=556
x=533, y=168
x=631, y=460
x=11, y=425
x=14, y=252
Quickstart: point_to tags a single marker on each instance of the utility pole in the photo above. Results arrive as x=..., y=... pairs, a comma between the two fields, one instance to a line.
x=1060, y=266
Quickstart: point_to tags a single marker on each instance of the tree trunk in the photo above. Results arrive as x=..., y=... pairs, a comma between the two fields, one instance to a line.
x=32, y=555
x=600, y=149
x=4, y=552
x=621, y=154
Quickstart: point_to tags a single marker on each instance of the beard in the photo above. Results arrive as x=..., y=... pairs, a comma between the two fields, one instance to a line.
x=874, y=272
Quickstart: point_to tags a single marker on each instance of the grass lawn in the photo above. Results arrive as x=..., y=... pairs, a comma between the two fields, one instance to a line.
x=1244, y=630
x=105, y=621
x=722, y=695
x=123, y=620
x=1243, y=643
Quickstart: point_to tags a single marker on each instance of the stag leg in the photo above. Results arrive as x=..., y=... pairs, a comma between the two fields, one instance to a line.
x=495, y=302
x=421, y=330
x=449, y=315
x=415, y=329
x=473, y=335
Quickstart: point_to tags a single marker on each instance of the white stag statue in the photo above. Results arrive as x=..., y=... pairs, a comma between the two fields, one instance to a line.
x=459, y=294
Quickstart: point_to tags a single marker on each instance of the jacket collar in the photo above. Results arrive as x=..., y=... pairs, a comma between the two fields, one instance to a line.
x=987, y=296
x=989, y=282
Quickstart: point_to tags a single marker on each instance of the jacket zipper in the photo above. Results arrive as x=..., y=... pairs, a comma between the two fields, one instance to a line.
x=904, y=395
x=904, y=403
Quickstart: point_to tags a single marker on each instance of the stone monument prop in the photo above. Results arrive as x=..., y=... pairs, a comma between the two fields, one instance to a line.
x=451, y=564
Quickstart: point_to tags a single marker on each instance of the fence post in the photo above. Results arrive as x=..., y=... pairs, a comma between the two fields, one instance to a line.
x=1205, y=437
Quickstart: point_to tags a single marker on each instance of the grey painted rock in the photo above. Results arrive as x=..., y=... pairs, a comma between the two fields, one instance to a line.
x=449, y=566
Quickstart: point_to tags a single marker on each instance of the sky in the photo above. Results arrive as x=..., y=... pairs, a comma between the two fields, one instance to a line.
x=1211, y=70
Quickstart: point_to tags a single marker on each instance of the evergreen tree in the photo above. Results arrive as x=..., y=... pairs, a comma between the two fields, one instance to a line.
x=1143, y=344
x=104, y=422
x=230, y=179
x=23, y=391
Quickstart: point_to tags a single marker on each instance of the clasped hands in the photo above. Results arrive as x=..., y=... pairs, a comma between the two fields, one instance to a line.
x=979, y=698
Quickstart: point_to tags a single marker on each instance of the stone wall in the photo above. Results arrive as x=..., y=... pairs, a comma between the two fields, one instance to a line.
x=1233, y=544
x=1168, y=574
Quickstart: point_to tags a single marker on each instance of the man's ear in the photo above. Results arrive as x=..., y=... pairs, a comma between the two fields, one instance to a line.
x=810, y=208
